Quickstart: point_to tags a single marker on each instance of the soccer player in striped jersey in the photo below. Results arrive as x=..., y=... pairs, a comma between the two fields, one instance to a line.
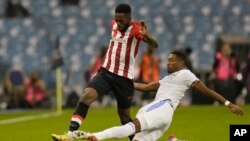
x=117, y=72
x=154, y=119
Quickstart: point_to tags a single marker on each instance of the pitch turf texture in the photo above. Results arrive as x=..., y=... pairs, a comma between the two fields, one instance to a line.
x=195, y=123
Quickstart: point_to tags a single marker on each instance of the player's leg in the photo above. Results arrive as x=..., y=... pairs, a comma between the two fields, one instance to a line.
x=155, y=118
x=124, y=115
x=79, y=115
x=150, y=123
x=97, y=86
x=113, y=132
x=81, y=111
x=151, y=134
x=123, y=89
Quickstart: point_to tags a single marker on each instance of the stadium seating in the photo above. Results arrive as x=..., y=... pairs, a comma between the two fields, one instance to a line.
x=82, y=30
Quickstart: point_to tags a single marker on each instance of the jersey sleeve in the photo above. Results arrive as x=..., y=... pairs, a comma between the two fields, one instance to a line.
x=161, y=80
x=138, y=35
x=189, y=78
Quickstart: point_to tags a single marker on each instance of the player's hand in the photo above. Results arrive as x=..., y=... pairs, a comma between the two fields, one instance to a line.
x=236, y=109
x=143, y=29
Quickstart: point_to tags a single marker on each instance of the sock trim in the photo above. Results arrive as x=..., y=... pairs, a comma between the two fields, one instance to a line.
x=77, y=118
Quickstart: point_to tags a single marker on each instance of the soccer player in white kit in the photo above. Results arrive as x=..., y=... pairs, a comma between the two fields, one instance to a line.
x=154, y=119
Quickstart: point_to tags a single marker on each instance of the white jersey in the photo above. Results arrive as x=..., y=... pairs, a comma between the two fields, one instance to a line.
x=174, y=86
x=155, y=117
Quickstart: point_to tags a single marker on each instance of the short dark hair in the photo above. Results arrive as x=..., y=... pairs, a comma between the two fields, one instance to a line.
x=180, y=55
x=123, y=8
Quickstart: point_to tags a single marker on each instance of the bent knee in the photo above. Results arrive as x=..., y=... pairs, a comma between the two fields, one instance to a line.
x=89, y=96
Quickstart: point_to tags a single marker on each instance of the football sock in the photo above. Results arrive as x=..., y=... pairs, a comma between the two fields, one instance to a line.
x=78, y=116
x=131, y=136
x=70, y=133
x=116, y=132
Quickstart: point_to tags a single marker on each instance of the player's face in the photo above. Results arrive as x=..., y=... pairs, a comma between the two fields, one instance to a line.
x=123, y=21
x=173, y=63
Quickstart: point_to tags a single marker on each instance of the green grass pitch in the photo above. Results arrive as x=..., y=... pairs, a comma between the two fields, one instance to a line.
x=195, y=123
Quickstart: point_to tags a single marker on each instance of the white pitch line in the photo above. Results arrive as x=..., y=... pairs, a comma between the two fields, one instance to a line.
x=26, y=118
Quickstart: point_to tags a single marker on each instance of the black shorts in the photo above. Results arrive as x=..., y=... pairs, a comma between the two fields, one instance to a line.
x=105, y=82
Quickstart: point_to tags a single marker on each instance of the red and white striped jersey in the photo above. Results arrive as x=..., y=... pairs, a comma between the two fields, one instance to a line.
x=122, y=51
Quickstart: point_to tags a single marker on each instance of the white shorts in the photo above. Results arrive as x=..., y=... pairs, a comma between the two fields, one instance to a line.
x=155, y=118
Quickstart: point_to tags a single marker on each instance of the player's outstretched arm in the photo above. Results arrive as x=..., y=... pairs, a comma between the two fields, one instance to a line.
x=198, y=85
x=153, y=86
x=147, y=37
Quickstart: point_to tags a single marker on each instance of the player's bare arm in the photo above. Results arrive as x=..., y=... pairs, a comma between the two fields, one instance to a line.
x=198, y=85
x=147, y=37
x=153, y=86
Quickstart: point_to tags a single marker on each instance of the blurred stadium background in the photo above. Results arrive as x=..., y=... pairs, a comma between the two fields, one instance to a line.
x=29, y=38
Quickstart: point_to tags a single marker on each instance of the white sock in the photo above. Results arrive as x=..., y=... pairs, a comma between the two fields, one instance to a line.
x=116, y=132
x=70, y=133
